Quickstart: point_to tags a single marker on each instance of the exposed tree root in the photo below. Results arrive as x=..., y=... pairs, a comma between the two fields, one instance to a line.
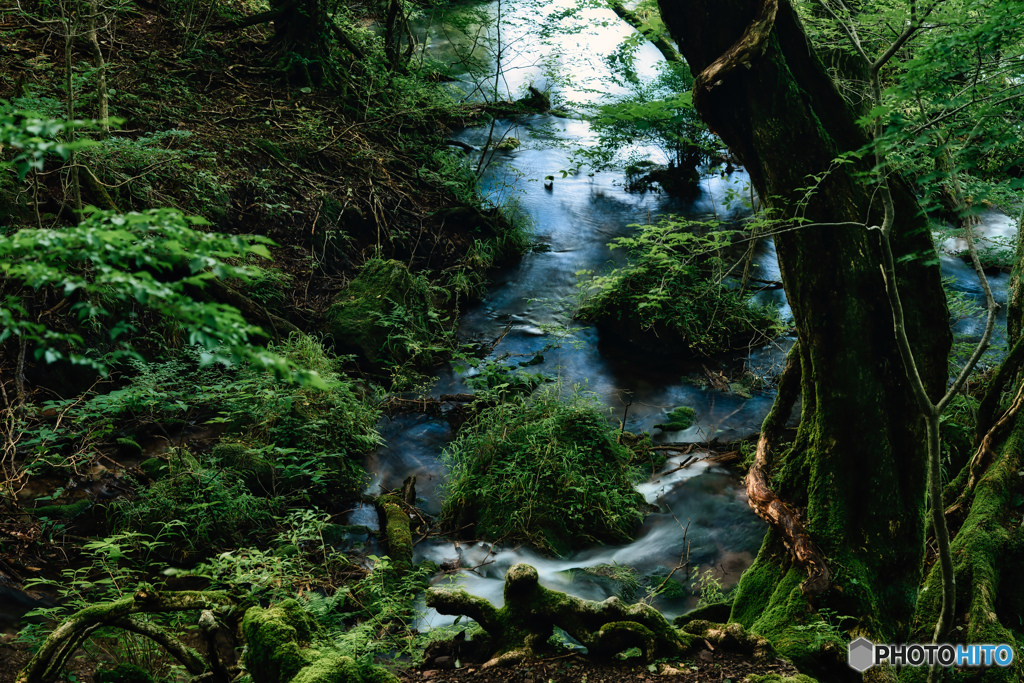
x=77, y=628
x=521, y=629
x=767, y=505
x=984, y=457
x=986, y=551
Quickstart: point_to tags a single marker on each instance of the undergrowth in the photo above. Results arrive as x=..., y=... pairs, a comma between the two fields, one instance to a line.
x=674, y=291
x=544, y=470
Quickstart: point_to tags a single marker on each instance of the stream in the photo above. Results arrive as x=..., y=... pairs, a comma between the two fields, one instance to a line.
x=529, y=309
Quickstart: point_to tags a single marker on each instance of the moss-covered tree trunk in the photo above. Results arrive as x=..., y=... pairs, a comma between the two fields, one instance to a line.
x=302, y=39
x=858, y=462
x=983, y=513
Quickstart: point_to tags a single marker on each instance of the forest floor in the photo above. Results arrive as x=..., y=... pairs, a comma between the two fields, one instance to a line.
x=706, y=667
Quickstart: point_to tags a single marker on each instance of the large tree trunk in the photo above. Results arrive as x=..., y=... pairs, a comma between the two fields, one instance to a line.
x=858, y=462
x=302, y=39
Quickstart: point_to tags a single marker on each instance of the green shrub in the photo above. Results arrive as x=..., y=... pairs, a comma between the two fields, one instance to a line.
x=387, y=315
x=672, y=293
x=211, y=507
x=312, y=437
x=124, y=673
x=542, y=471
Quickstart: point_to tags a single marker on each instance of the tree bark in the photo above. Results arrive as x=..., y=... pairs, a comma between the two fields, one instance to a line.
x=858, y=461
x=301, y=30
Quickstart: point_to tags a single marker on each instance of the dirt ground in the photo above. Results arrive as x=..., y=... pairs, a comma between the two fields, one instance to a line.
x=707, y=666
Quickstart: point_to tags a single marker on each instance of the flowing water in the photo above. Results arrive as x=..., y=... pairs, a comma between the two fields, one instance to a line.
x=529, y=307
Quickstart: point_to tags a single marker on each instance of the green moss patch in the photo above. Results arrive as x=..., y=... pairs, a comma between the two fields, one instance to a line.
x=284, y=644
x=386, y=315
x=678, y=419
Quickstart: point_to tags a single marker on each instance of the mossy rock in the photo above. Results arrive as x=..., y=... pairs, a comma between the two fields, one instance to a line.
x=130, y=448
x=124, y=673
x=678, y=419
x=65, y=511
x=337, y=534
x=386, y=315
x=154, y=468
x=282, y=647
x=508, y=144
x=256, y=471
x=180, y=461
x=277, y=641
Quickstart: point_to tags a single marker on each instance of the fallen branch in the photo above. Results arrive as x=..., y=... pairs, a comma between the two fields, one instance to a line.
x=521, y=628
x=74, y=630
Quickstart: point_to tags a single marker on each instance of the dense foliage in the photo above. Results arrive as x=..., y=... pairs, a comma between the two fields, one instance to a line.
x=542, y=470
x=673, y=294
x=658, y=114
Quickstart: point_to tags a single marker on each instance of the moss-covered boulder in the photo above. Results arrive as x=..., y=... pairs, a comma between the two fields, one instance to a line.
x=678, y=419
x=154, y=468
x=256, y=471
x=386, y=315
x=278, y=641
x=284, y=644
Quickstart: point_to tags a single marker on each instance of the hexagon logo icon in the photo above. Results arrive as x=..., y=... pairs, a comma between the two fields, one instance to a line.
x=861, y=654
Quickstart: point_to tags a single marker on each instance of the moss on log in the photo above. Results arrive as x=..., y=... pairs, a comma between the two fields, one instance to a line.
x=74, y=630
x=521, y=629
x=286, y=645
x=397, y=533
